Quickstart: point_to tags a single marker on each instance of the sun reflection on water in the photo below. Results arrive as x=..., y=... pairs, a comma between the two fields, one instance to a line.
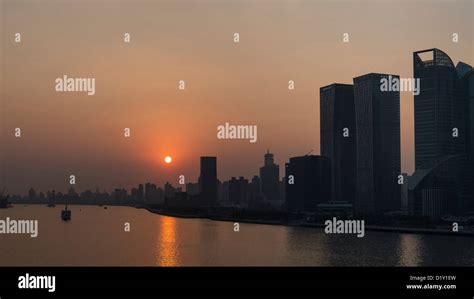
x=166, y=245
x=409, y=250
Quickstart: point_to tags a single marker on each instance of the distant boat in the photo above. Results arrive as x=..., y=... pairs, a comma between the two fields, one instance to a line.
x=51, y=205
x=66, y=214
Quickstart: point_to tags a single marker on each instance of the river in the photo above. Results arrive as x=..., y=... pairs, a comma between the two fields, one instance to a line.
x=97, y=237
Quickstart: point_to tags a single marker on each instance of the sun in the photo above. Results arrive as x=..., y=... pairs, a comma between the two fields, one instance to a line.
x=168, y=159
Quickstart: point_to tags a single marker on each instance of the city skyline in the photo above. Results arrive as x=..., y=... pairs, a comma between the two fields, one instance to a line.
x=270, y=159
x=190, y=187
x=159, y=145
x=137, y=85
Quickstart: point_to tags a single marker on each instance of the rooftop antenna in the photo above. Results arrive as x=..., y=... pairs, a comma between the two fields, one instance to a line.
x=309, y=152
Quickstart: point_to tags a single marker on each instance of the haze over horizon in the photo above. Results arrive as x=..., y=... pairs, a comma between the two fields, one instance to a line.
x=239, y=83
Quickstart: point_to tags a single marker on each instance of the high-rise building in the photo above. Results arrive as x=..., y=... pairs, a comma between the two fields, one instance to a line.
x=444, y=134
x=468, y=83
x=308, y=182
x=338, y=138
x=149, y=191
x=269, y=176
x=32, y=194
x=219, y=191
x=192, y=188
x=378, y=145
x=440, y=109
x=133, y=194
x=405, y=204
x=254, y=191
x=141, y=192
x=208, y=181
x=224, y=195
x=467, y=76
x=170, y=191
x=434, y=202
x=239, y=191
x=282, y=187
x=119, y=195
x=153, y=194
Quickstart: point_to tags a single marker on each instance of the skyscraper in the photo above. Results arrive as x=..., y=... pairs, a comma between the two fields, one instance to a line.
x=149, y=191
x=440, y=108
x=338, y=138
x=308, y=182
x=378, y=145
x=208, y=181
x=192, y=188
x=269, y=175
x=444, y=132
x=255, y=196
x=468, y=88
x=239, y=191
x=141, y=192
x=169, y=190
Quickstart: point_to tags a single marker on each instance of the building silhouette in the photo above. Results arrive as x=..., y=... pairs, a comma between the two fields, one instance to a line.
x=141, y=192
x=133, y=194
x=377, y=116
x=192, y=188
x=208, y=181
x=468, y=87
x=150, y=190
x=255, y=196
x=404, y=202
x=169, y=190
x=308, y=182
x=239, y=191
x=32, y=194
x=444, y=130
x=269, y=176
x=442, y=185
x=282, y=188
x=118, y=195
x=338, y=138
x=440, y=108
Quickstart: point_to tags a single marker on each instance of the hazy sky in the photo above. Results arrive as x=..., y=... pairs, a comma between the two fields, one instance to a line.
x=239, y=83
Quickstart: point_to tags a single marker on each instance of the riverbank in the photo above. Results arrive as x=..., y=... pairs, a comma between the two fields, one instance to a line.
x=295, y=222
x=302, y=223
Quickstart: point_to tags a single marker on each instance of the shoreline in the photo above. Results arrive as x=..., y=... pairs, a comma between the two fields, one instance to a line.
x=299, y=223
x=376, y=228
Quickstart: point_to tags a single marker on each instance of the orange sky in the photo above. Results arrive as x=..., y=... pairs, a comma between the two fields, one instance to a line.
x=244, y=83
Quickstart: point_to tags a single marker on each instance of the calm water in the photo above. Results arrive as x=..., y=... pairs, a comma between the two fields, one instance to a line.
x=96, y=236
